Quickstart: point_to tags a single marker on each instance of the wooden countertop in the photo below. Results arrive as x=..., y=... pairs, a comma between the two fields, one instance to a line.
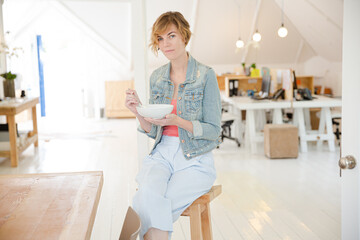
x=49, y=205
x=16, y=105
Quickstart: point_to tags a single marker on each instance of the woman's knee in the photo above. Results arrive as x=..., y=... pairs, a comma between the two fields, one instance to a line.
x=156, y=234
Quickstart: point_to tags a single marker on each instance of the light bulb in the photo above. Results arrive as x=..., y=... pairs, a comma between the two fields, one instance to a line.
x=239, y=43
x=257, y=36
x=282, y=32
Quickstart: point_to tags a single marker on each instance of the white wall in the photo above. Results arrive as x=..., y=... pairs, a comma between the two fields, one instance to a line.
x=86, y=43
x=327, y=74
x=110, y=19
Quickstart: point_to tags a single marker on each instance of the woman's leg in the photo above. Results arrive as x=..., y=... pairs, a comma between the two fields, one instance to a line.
x=149, y=201
x=156, y=234
x=189, y=183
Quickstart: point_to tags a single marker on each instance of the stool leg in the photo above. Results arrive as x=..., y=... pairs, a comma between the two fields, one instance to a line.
x=206, y=223
x=195, y=222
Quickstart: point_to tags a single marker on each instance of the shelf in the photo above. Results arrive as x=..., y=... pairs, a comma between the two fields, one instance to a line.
x=244, y=82
x=250, y=83
x=21, y=147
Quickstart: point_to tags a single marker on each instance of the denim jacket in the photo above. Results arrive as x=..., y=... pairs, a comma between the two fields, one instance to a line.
x=198, y=101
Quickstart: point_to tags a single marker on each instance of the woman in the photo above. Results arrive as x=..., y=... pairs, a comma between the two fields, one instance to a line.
x=180, y=167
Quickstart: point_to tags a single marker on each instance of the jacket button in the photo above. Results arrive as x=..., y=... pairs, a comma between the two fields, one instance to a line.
x=183, y=141
x=180, y=112
x=188, y=155
x=179, y=98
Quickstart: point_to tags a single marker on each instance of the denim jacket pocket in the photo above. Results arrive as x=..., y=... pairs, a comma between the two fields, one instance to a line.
x=193, y=100
x=156, y=98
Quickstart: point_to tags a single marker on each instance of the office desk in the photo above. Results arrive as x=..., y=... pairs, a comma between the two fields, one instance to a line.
x=250, y=105
x=10, y=108
x=49, y=205
x=325, y=103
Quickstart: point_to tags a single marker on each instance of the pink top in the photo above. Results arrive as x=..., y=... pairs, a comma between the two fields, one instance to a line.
x=171, y=130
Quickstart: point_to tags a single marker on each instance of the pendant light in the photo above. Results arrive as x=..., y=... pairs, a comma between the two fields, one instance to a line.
x=282, y=32
x=257, y=36
x=240, y=43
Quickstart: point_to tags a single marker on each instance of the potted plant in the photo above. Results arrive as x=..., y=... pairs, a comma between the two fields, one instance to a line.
x=9, y=78
x=246, y=69
x=8, y=84
x=254, y=72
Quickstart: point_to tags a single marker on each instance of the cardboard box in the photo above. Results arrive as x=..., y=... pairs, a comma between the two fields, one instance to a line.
x=315, y=118
x=281, y=141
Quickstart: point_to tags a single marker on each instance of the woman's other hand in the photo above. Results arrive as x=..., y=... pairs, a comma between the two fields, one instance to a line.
x=132, y=100
x=170, y=119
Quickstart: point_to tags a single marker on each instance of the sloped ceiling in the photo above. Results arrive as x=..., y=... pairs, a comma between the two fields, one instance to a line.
x=315, y=29
x=320, y=23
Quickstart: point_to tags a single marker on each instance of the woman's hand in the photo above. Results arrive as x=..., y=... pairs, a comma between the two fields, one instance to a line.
x=132, y=100
x=170, y=119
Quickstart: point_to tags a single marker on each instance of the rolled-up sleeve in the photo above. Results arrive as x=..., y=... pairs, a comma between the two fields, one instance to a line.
x=209, y=127
x=151, y=134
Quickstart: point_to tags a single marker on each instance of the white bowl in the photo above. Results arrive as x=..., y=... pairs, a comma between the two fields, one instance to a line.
x=155, y=111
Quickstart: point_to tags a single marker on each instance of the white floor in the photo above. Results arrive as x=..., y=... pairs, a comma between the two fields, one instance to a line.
x=261, y=199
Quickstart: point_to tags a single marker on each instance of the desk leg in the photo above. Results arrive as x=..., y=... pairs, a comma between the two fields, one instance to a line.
x=35, y=129
x=260, y=117
x=238, y=126
x=277, y=116
x=302, y=130
x=329, y=130
x=321, y=129
x=247, y=135
x=295, y=119
x=250, y=121
x=14, y=156
x=307, y=119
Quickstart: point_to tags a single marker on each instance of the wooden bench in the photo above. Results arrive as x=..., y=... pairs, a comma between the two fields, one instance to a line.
x=199, y=213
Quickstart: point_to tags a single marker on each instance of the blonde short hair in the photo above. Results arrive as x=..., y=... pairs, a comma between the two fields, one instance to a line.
x=163, y=22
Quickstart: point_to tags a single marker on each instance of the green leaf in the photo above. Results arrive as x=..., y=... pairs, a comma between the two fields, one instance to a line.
x=8, y=76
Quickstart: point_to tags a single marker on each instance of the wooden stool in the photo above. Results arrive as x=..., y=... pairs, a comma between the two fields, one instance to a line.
x=199, y=213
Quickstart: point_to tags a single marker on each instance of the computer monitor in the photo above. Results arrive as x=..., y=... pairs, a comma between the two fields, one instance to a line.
x=265, y=85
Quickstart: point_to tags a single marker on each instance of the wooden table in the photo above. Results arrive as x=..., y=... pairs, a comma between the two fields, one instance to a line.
x=49, y=205
x=10, y=108
x=320, y=135
x=301, y=108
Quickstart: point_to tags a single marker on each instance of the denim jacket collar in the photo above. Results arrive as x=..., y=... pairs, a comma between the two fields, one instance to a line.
x=190, y=71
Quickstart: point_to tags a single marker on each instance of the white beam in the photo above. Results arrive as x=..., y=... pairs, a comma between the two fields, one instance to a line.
x=95, y=36
x=140, y=65
x=193, y=21
x=324, y=15
x=252, y=30
x=32, y=13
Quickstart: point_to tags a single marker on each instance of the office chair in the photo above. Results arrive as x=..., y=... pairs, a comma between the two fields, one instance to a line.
x=336, y=119
x=227, y=119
